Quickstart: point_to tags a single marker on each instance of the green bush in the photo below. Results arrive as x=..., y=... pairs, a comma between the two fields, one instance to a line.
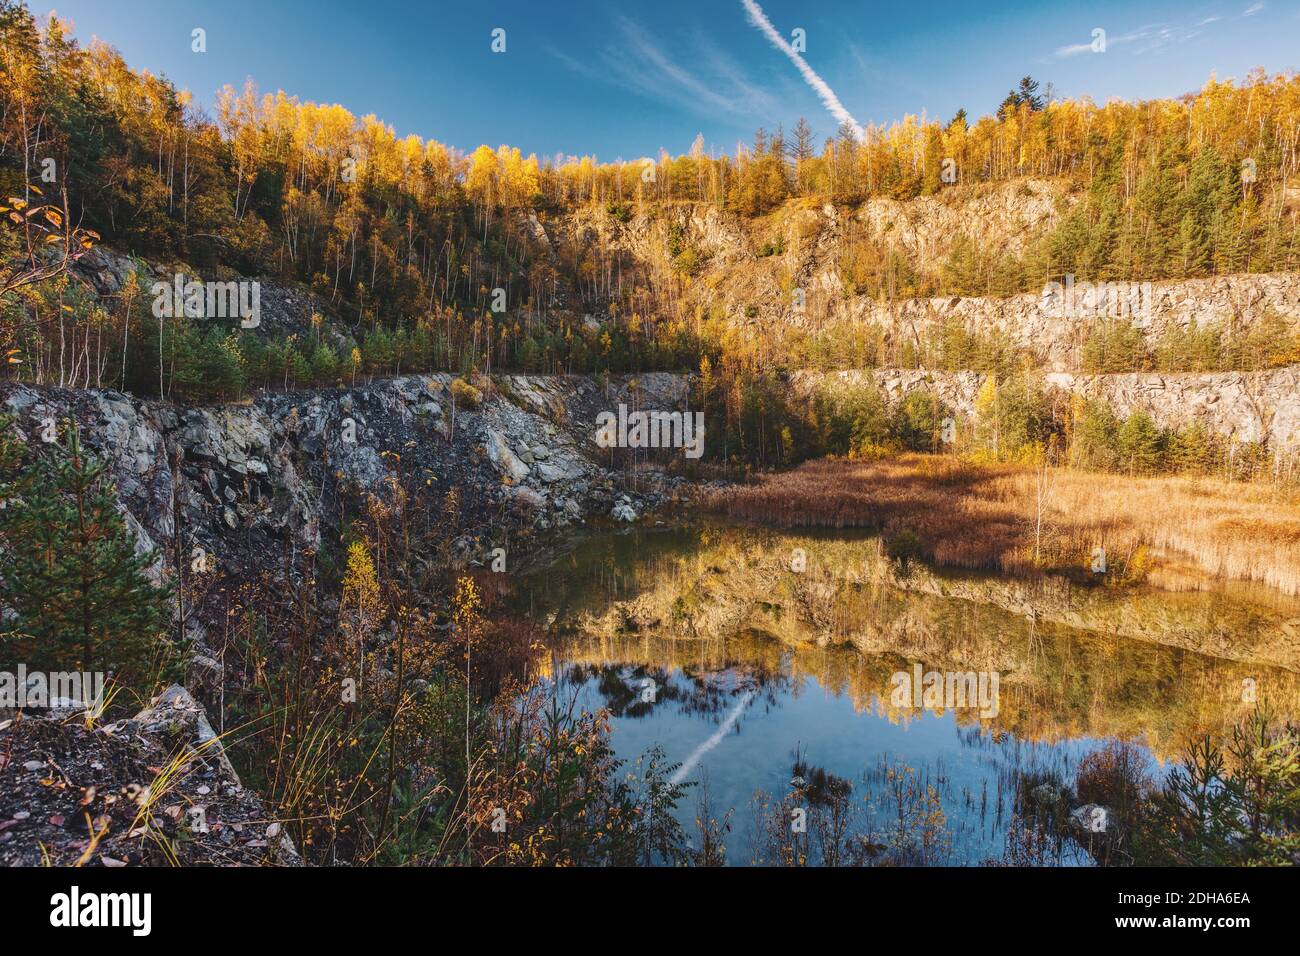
x=918, y=421
x=1114, y=345
x=1139, y=444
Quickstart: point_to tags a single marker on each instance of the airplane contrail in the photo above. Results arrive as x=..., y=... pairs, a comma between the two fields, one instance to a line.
x=819, y=86
x=713, y=741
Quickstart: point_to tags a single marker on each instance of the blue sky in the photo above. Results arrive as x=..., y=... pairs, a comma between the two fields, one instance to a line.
x=622, y=79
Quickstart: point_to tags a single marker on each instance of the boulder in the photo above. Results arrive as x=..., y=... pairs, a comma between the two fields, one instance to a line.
x=505, y=460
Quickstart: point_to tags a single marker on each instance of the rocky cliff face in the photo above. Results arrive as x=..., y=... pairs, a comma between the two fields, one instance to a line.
x=249, y=484
x=245, y=482
x=1243, y=406
x=749, y=267
x=1044, y=326
x=270, y=470
x=786, y=269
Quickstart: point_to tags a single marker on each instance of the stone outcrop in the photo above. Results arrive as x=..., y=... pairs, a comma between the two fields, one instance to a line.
x=246, y=480
x=749, y=266
x=749, y=269
x=1245, y=406
x=1004, y=216
x=1242, y=406
x=285, y=308
x=245, y=489
x=1042, y=325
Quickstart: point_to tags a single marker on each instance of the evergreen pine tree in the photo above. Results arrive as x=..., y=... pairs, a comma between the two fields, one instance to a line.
x=1194, y=245
x=74, y=590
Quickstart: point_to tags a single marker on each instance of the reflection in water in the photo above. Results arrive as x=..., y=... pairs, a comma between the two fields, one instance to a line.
x=771, y=687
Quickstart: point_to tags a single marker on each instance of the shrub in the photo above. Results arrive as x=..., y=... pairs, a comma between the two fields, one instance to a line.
x=687, y=262
x=1115, y=778
x=1013, y=419
x=852, y=422
x=1114, y=345
x=1139, y=444
x=465, y=394
x=1094, y=428
x=917, y=421
x=1228, y=804
x=904, y=547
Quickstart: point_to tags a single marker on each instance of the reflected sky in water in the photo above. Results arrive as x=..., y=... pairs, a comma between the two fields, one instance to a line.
x=971, y=768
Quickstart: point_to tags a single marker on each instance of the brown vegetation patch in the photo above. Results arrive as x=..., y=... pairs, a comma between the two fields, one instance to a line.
x=1017, y=518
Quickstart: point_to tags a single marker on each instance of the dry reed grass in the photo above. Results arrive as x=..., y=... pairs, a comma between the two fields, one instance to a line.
x=1171, y=531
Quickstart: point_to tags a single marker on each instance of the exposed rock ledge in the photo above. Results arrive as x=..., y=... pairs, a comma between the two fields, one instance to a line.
x=247, y=488
x=1244, y=406
x=248, y=481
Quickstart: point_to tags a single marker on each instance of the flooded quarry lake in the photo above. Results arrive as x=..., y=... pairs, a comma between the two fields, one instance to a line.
x=902, y=715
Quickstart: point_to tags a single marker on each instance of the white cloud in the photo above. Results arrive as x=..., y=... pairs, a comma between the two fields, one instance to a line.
x=642, y=65
x=1152, y=37
x=1074, y=49
x=819, y=86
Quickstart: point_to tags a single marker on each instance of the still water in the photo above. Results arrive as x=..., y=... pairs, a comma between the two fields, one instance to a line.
x=755, y=660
